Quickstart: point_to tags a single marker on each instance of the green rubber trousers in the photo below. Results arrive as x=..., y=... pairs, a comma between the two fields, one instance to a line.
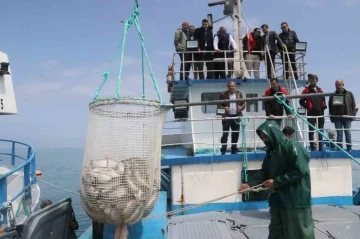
x=295, y=223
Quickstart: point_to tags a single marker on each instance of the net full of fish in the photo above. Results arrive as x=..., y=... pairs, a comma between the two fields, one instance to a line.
x=120, y=189
x=120, y=178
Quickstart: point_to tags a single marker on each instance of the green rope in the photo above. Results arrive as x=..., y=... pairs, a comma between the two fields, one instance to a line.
x=207, y=151
x=24, y=204
x=133, y=19
x=244, y=176
x=142, y=71
x=282, y=100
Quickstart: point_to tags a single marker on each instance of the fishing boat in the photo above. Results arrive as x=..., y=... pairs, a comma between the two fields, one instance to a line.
x=19, y=191
x=197, y=198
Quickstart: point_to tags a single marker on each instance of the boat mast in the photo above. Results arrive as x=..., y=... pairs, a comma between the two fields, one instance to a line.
x=237, y=24
x=236, y=17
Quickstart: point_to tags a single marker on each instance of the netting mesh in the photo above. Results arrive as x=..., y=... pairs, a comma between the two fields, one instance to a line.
x=120, y=177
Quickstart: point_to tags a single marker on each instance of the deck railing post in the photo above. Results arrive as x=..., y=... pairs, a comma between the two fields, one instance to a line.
x=213, y=134
x=13, y=154
x=3, y=199
x=33, y=165
x=255, y=132
x=27, y=181
x=27, y=176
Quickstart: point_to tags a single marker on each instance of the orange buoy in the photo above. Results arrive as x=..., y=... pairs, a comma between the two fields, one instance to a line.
x=38, y=173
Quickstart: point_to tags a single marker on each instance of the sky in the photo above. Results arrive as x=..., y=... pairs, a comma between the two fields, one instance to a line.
x=58, y=50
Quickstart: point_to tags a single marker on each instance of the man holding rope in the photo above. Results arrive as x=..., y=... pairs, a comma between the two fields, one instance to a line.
x=285, y=171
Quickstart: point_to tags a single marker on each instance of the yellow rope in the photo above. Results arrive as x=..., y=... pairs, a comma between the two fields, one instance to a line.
x=256, y=188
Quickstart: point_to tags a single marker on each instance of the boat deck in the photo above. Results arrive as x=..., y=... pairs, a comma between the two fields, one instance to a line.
x=330, y=222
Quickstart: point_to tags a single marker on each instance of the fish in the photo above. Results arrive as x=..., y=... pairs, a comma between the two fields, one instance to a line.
x=135, y=217
x=117, y=194
x=151, y=203
x=105, y=163
x=130, y=208
x=91, y=192
x=117, y=191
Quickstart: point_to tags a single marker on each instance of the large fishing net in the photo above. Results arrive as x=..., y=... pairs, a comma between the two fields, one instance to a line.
x=121, y=166
x=120, y=178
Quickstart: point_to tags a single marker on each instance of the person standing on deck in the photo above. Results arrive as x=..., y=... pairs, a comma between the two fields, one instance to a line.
x=205, y=37
x=223, y=41
x=181, y=36
x=274, y=108
x=253, y=55
x=348, y=108
x=285, y=171
x=231, y=110
x=315, y=107
x=270, y=38
x=289, y=37
x=193, y=64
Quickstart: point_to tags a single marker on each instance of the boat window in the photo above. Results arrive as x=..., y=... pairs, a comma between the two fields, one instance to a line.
x=207, y=97
x=252, y=106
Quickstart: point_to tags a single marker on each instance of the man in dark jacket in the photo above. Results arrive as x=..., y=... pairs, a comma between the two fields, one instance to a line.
x=231, y=110
x=289, y=38
x=274, y=108
x=205, y=37
x=271, y=40
x=254, y=55
x=348, y=108
x=285, y=171
x=315, y=107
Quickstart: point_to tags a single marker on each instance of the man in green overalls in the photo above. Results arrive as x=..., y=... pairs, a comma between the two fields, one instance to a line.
x=285, y=171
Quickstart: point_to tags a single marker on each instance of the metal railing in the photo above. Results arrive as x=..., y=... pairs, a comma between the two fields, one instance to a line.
x=191, y=63
x=213, y=135
x=29, y=170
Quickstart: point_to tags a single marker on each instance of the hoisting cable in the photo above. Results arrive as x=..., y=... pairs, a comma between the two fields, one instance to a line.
x=132, y=20
x=54, y=186
x=281, y=98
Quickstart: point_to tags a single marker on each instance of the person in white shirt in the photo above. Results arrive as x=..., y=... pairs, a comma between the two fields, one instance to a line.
x=223, y=43
x=231, y=110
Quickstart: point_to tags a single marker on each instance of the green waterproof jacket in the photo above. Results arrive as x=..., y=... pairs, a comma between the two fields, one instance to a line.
x=287, y=163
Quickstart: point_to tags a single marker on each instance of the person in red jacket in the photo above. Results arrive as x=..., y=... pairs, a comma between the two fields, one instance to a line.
x=315, y=106
x=272, y=107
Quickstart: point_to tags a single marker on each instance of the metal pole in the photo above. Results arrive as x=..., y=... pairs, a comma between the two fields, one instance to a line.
x=216, y=102
x=239, y=30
